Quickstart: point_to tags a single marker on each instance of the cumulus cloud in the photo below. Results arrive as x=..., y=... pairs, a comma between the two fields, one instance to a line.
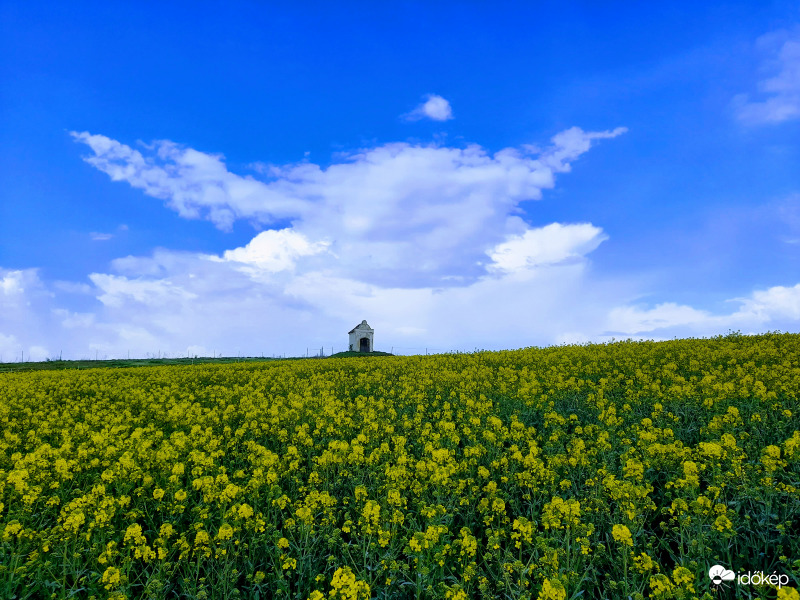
x=775, y=308
x=180, y=303
x=434, y=107
x=552, y=244
x=775, y=303
x=12, y=283
x=184, y=303
x=778, y=97
x=194, y=184
x=398, y=214
x=274, y=250
x=201, y=300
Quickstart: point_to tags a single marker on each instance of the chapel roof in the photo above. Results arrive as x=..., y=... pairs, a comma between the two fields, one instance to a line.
x=362, y=325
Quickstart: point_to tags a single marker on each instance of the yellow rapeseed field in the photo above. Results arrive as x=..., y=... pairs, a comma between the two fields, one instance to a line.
x=612, y=471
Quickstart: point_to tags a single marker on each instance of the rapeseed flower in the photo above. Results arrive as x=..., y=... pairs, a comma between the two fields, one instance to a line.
x=225, y=532
x=552, y=589
x=622, y=535
x=347, y=587
x=112, y=577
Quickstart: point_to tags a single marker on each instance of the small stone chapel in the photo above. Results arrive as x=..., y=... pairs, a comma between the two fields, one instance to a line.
x=361, y=337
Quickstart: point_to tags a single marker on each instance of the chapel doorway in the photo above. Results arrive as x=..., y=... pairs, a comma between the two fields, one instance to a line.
x=363, y=345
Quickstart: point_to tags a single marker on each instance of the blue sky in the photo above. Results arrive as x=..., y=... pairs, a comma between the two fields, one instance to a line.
x=253, y=177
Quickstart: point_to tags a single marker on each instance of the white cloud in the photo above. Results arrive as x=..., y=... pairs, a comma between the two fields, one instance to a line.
x=570, y=144
x=274, y=250
x=12, y=283
x=193, y=183
x=552, y=244
x=396, y=214
x=779, y=93
x=636, y=320
x=776, y=308
x=115, y=289
x=9, y=348
x=186, y=304
x=435, y=107
x=37, y=353
x=772, y=304
x=232, y=311
x=100, y=237
x=24, y=313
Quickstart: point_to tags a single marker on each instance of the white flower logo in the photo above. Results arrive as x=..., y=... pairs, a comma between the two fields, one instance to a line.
x=718, y=574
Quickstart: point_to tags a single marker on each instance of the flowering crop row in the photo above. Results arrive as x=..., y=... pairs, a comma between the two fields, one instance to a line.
x=615, y=471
